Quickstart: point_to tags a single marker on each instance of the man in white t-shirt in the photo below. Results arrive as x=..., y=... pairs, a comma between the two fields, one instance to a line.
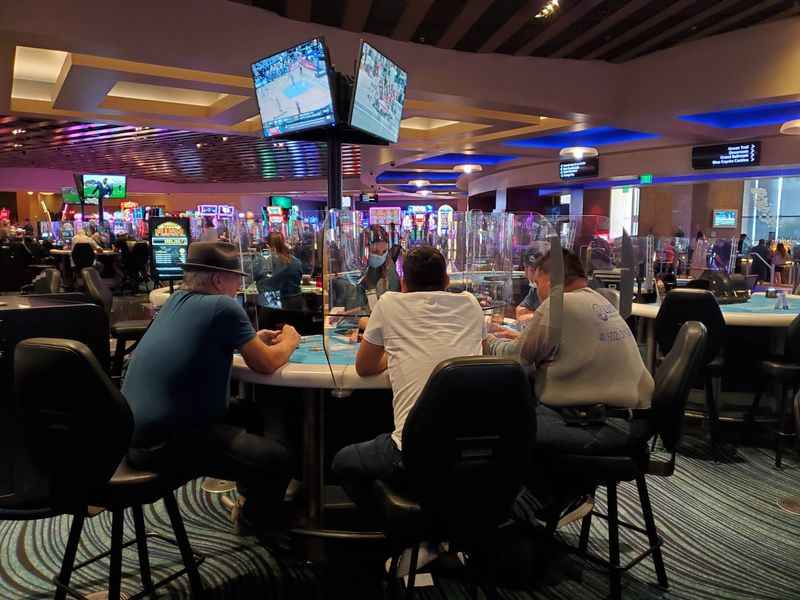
x=409, y=333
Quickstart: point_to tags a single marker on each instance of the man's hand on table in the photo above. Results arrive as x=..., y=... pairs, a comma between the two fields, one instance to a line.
x=269, y=336
x=269, y=350
x=290, y=335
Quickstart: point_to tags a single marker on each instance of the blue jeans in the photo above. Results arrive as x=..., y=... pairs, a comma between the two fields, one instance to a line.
x=358, y=465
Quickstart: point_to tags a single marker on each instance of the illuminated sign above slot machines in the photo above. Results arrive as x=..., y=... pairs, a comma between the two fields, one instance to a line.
x=577, y=169
x=208, y=210
x=725, y=156
x=226, y=211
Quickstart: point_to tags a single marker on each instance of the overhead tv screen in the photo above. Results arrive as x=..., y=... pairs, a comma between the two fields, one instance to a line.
x=379, y=94
x=293, y=89
x=104, y=187
x=724, y=218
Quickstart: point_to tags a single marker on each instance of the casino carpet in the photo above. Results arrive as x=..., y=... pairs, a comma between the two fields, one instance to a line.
x=725, y=538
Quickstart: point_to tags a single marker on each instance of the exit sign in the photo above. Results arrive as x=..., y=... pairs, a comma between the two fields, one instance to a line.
x=646, y=178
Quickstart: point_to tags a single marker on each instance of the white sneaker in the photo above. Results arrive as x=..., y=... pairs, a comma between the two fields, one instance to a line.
x=427, y=554
x=576, y=511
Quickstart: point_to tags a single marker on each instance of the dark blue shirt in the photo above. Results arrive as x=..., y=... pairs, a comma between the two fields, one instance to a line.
x=531, y=301
x=179, y=375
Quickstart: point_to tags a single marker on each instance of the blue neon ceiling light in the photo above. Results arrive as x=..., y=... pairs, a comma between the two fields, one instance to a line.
x=406, y=176
x=433, y=188
x=596, y=136
x=751, y=116
x=452, y=160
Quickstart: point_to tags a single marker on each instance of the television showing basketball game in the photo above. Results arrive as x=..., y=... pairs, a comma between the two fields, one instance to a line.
x=104, y=187
x=293, y=89
x=379, y=94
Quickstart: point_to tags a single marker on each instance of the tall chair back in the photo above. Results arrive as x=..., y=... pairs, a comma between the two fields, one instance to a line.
x=76, y=435
x=97, y=290
x=466, y=444
x=48, y=282
x=140, y=255
x=682, y=305
x=673, y=380
x=82, y=256
x=792, y=344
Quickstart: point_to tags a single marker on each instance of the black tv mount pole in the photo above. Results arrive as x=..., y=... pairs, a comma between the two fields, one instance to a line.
x=333, y=137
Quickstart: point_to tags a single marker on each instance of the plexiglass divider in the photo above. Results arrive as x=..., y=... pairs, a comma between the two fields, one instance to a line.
x=363, y=261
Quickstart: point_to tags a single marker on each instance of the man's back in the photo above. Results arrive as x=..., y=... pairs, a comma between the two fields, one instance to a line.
x=598, y=360
x=178, y=376
x=419, y=330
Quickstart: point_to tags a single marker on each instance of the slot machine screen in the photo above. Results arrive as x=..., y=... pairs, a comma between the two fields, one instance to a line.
x=169, y=245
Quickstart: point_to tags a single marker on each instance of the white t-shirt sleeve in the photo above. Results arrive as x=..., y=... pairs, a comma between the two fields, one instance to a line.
x=374, y=331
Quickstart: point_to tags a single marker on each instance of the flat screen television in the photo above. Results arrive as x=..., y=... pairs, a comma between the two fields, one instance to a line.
x=282, y=201
x=70, y=195
x=724, y=218
x=103, y=187
x=378, y=95
x=294, y=89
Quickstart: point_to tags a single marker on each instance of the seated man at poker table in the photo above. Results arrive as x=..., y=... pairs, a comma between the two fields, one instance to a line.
x=408, y=333
x=590, y=386
x=177, y=385
x=531, y=301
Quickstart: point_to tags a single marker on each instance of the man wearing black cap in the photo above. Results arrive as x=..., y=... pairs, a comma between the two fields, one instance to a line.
x=177, y=385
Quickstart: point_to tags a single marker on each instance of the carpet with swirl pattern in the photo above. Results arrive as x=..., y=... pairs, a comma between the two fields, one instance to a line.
x=725, y=538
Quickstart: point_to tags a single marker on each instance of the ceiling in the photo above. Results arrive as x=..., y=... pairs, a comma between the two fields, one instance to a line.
x=168, y=155
x=612, y=30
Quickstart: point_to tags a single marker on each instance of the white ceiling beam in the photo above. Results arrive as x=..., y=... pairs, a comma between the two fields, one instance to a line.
x=463, y=22
x=410, y=19
x=356, y=13
x=558, y=23
x=639, y=29
x=604, y=25
x=685, y=25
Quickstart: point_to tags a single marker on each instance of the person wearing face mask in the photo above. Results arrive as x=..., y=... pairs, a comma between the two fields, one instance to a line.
x=177, y=385
x=531, y=301
x=381, y=274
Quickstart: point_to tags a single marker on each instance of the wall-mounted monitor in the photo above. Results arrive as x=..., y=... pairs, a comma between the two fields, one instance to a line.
x=70, y=195
x=724, y=218
x=294, y=89
x=282, y=201
x=577, y=169
x=378, y=95
x=725, y=156
x=347, y=202
x=169, y=244
x=369, y=198
x=104, y=187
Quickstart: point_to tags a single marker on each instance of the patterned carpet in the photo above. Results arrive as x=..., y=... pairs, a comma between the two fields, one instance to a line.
x=725, y=538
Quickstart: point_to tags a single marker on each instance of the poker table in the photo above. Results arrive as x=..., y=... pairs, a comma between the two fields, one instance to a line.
x=310, y=371
x=759, y=311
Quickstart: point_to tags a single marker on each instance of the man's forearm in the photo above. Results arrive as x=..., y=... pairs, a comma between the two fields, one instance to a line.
x=495, y=346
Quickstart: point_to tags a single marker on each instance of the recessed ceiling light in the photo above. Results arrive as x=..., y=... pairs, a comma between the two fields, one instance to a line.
x=419, y=182
x=30, y=193
x=468, y=168
x=224, y=138
x=18, y=131
x=578, y=152
x=424, y=192
x=791, y=127
x=548, y=9
x=17, y=145
x=199, y=144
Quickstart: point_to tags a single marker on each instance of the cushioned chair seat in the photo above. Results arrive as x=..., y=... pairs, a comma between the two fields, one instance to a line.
x=777, y=369
x=129, y=486
x=624, y=467
x=129, y=330
x=403, y=514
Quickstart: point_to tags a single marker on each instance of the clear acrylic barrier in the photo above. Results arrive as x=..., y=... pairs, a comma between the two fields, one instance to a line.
x=671, y=256
x=363, y=261
x=713, y=254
